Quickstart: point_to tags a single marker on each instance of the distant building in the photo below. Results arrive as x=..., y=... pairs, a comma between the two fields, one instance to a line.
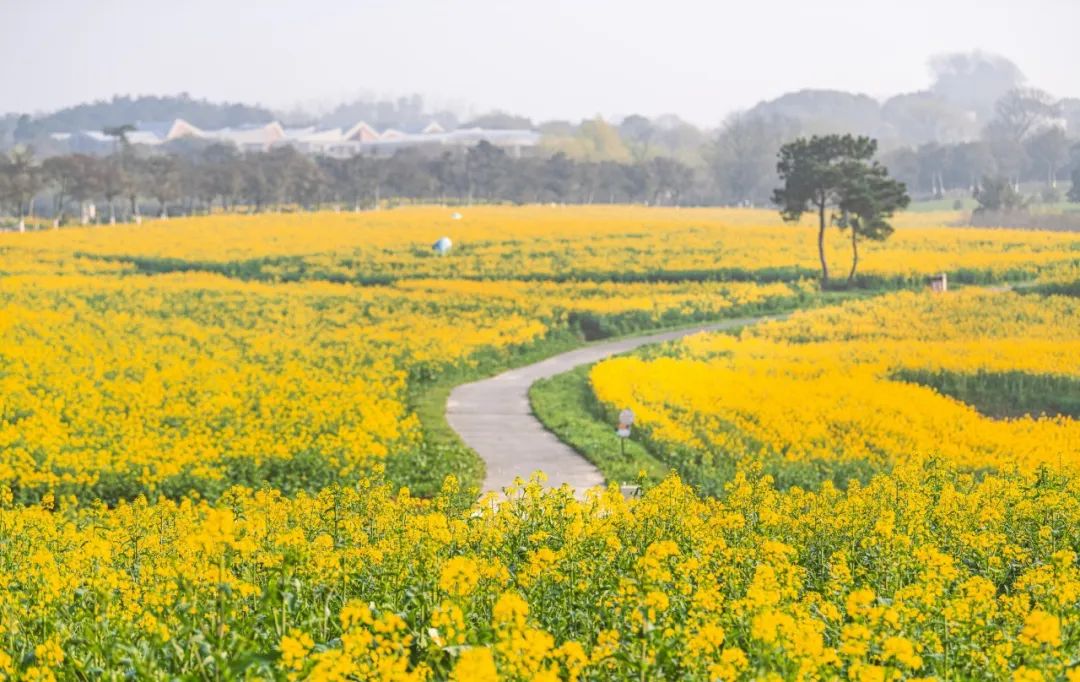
x=361, y=138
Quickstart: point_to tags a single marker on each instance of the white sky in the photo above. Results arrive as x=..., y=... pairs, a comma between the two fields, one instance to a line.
x=543, y=58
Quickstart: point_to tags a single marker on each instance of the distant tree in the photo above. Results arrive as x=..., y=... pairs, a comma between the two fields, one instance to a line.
x=1010, y=156
x=369, y=176
x=105, y=114
x=974, y=80
x=824, y=112
x=614, y=181
x=162, y=180
x=257, y=188
x=600, y=141
x=921, y=117
x=113, y=181
x=593, y=140
x=1048, y=149
x=814, y=171
x=409, y=175
x=903, y=164
x=119, y=134
x=135, y=169
x=86, y=183
x=21, y=178
x=1074, y=191
x=668, y=179
x=969, y=161
x=61, y=173
x=560, y=178
x=1021, y=111
x=499, y=120
x=996, y=193
x=932, y=159
x=485, y=168
x=638, y=132
x=220, y=174
x=285, y=170
x=868, y=198
x=304, y=180
x=741, y=159
x=449, y=171
x=679, y=140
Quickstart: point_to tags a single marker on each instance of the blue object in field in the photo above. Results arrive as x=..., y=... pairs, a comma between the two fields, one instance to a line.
x=442, y=246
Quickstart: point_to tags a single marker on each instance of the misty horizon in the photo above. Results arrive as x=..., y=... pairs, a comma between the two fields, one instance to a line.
x=612, y=60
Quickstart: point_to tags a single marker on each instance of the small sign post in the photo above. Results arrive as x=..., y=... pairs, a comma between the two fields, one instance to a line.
x=626, y=420
x=939, y=283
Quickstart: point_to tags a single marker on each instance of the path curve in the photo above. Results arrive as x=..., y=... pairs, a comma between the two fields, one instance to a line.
x=495, y=419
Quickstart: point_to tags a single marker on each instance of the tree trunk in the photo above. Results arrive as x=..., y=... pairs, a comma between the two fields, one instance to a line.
x=112, y=212
x=821, y=243
x=58, y=214
x=854, y=254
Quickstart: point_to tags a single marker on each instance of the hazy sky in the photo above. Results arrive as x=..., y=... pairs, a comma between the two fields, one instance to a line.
x=543, y=58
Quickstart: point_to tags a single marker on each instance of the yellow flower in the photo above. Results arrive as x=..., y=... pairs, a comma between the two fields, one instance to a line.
x=901, y=650
x=859, y=601
x=475, y=665
x=1041, y=627
x=49, y=652
x=656, y=601
x=459, y=576
x=294, y=649
x=510, y=610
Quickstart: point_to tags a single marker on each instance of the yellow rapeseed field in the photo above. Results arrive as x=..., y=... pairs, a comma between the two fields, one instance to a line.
x=599, y=242
x=840, y=391
x=197, y=418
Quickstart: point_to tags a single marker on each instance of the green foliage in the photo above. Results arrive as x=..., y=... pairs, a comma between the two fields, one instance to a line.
x=1004, y=394
x=441, y=452
x=868, y=198
x=998, y=194
x=814, y=169
x=566, y=406
x=814, y=172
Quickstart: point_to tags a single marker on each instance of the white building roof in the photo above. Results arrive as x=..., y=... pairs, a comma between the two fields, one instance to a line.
x=143, y=137
x=361, y=132
x=256, y=135
x=323, y=136
x=361, y=135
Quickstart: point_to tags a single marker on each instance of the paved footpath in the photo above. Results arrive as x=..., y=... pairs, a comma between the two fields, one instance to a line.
x=494, y=418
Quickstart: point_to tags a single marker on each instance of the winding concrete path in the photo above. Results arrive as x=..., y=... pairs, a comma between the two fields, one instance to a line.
x=494, y=418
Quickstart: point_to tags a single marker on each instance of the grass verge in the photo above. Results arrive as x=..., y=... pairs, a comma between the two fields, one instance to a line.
x=442, y=453
x=565, y=405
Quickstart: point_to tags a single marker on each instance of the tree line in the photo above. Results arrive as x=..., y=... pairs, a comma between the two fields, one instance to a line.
x=126, y=184
x=1025, y=143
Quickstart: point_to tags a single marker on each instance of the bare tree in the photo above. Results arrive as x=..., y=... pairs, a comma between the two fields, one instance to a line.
x=1049, y=150
x=1022, y=111
x=21, y=178
x=162, y=180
